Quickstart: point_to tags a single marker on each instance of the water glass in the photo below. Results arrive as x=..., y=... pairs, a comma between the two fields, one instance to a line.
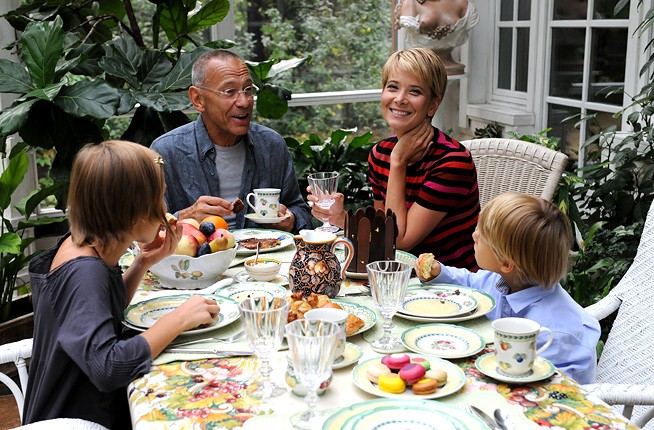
x=311, y=345
x=324, y=185
x=388, y=283
x=264, y=319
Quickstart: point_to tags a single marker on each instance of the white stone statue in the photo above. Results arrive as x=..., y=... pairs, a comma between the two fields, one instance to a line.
x=441, y=25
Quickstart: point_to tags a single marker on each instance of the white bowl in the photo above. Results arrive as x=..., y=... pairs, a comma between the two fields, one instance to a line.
x=265, y=270
x=191, y=273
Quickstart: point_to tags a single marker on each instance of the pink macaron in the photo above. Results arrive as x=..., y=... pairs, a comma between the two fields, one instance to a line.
x=395, y=361
x=412, y=372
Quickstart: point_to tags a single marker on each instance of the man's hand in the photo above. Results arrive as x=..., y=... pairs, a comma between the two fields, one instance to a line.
x=206, y=206
x=288, y=223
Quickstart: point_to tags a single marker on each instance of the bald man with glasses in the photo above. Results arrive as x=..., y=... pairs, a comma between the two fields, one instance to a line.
x=223, y=155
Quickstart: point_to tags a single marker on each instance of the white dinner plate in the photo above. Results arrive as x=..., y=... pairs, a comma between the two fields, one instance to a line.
x=143, y=315
x=487, y=365
x=485, y=304
x=443, y=340
x=285, y=238
x=437, y=304
x=390, y=414
x=244, y=290
x=266, y=220
x=455, y=379
x=403, y=256
x=368, y=316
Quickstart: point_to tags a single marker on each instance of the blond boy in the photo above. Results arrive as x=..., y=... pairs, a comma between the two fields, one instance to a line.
x=521, y=245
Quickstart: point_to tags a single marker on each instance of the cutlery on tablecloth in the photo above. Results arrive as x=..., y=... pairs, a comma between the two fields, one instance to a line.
x=229, y=339
x=216, y=351
x=490, y=422
x=502, y=419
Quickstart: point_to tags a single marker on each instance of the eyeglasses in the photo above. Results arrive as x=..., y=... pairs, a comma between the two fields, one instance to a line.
x=232, y=93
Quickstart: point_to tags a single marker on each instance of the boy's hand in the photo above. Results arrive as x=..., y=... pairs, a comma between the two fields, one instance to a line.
x=427, y=268
x=197, y=311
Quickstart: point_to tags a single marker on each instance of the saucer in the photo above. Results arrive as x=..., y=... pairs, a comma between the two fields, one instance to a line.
x=243, y=276
x=351, y=355
x=487, y=365
x=266, y=220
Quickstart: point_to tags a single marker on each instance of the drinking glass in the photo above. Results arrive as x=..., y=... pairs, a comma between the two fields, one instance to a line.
x=388, y=283
x=311, y=345
x=264, y=320
x=324, y=185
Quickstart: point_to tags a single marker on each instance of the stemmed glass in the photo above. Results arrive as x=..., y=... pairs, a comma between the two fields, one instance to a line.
x=311, y=345
x=324, y=185
x=264, y=320
x=388, y=284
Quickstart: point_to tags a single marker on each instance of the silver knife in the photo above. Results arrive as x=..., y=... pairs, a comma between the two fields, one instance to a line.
x=220, y=352
x=490, y=422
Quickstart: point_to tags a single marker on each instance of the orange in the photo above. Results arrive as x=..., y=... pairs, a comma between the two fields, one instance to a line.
x=217, y=221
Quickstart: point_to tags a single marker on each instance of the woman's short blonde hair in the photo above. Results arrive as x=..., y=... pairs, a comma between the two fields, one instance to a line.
x=113, y=184
x=424, y=63
x=532, y=233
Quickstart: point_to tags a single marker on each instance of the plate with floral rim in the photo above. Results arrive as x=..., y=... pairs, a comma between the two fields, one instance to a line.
x=443, y=340
x=485, y=304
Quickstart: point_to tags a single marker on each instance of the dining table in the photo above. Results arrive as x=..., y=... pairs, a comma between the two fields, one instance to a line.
x=201, y=389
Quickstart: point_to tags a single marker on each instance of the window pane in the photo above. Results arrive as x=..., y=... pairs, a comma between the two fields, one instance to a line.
x=524, y=10
x=506, y=10
x=348, y=40
x=566, y=73
x=607, y=67
x=522, y=60
x=301, y=121
x=570, y=9
x=601, y=122
x=604, y=10
x=569, y=135
x=505, y=58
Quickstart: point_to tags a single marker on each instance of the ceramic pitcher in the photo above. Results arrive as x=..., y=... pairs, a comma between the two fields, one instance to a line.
x=315, y=268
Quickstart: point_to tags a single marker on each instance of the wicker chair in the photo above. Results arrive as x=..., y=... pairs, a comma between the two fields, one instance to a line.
x=626, y=366
x=514, y=165
x=16, y=352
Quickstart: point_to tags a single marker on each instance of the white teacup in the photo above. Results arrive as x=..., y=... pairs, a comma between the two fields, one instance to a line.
x=338, y=316
x=266, y=202
x=515, y=345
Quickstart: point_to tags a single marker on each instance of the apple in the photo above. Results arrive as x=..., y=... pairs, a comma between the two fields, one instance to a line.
x=190, y=221
x=190, y=230
x=187, y=245
x=221, y=232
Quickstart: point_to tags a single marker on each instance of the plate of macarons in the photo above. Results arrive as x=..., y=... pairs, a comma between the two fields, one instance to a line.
x=408, y=375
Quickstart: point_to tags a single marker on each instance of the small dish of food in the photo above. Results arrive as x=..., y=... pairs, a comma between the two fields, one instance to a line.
x=263, y=269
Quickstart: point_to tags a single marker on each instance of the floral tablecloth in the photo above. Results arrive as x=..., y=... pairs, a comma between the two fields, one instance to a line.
x=211, y=393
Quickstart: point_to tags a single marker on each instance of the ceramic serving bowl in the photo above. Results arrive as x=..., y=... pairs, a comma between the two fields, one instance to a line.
x=190, y=273
x=265, y=269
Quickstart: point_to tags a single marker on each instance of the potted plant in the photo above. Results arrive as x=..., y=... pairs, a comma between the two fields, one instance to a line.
x=15, y=250
x=82, y=63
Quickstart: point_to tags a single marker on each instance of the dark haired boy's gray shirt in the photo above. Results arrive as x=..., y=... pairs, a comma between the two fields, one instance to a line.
x=190, y=169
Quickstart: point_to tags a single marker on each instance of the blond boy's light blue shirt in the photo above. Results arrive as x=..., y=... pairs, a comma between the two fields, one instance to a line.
x=575, y=332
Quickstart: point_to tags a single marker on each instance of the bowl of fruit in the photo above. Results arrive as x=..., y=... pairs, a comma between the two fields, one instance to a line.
x=204, y=252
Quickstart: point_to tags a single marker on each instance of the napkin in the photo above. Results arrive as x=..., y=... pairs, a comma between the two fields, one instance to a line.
x=488, y=401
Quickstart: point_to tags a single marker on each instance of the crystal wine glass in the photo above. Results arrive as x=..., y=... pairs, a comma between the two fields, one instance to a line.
x=264, y=320
x=311, y=345
x=324, y=185
x=388, y=284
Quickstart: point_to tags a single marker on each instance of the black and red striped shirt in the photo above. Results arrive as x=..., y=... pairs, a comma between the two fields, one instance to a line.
x=445, y=180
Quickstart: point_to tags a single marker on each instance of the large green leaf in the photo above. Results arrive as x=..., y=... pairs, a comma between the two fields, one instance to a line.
x=270, y=104
x=42, y=46
x=28, y=204
x=147, y=124
x=96, y=99
x=179, y=77
x=208, y=15
x=154, y=67
x=261, y=69
x=47, y=93
x=11, y=178
x=14, y=78
x=164, y=102
x=13, y=119
x=285, y=65
x=122, y=60
x=173, y=17
x=10, y=243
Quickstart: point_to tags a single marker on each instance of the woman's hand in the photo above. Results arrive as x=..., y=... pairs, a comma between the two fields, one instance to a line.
x=413, y=145
x=162, y=246
x=335, y=214
x=197, y=311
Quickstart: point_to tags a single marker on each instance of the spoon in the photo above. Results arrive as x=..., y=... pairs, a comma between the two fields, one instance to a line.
x=256, y=257
x=502, y=419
